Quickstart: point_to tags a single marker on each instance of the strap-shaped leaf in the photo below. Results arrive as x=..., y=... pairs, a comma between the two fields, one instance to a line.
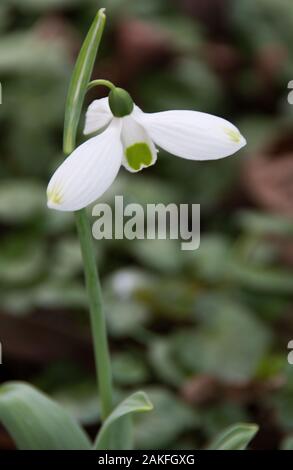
x=135, y=403
x=236, y=437
x=79, y=81
x=35, y=422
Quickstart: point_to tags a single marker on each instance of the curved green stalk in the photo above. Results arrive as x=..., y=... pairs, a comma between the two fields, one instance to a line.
x=101, y=82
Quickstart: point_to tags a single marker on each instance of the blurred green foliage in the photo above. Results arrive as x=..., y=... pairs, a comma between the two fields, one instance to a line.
x=205, y=333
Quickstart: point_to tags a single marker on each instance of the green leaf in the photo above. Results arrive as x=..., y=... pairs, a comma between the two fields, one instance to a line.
x=260, y=223
x=67, y=260
x=22, y=53
x=51, y=294
x=125, y=317
x=80, y=79
x=236, y=437
x=21, y=260
x=225, y=325
x=164, y=363
x=162, y=255
x=137, y=402
x=272, y=280
x=170, y=298
x=129, y=368
x=36, y=422
x=210, y=261
x=172, y=418
x=21, y=200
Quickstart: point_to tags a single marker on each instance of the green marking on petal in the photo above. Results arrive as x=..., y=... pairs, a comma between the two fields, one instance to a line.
x=234, y=135
x=54, y=196
x=138, y=155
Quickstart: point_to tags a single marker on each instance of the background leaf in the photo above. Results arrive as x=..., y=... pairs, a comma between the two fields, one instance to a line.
x=236, y=437
x=36, y=422
x=138, y=402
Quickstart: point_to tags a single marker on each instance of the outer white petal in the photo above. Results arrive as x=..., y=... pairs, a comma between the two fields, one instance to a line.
x=88, y=172
x=192, y=135
x=138, y=149
x=98, y=115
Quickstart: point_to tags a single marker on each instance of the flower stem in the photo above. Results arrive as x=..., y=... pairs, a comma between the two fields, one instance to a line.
x=98, y=323
x=101, y=82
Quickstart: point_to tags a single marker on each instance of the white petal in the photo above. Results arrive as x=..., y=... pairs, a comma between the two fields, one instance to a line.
x=138, y=149
x=88, y=172
x=192, y=135
x=98, y=115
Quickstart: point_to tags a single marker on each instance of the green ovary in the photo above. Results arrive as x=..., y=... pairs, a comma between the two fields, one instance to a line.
x=138, y=155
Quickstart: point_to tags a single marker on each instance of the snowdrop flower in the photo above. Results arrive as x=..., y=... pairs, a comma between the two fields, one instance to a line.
x=129, y=137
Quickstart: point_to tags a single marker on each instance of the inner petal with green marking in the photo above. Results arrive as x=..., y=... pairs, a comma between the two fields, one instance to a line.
x=138, y=155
